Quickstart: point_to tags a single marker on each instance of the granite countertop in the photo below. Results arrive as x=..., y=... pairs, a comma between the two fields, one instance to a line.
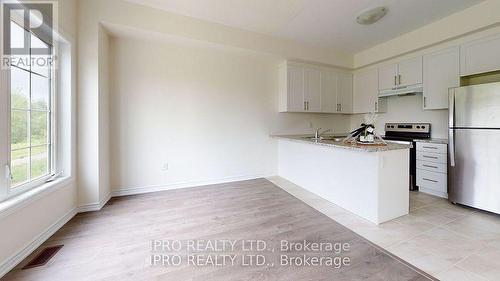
x=338, y=144
x=433, y=140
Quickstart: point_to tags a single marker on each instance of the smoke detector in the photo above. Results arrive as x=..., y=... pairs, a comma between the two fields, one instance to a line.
x=371, y=16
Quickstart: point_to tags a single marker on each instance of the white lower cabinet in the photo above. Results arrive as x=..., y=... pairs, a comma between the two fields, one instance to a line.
x=432, y=166
x=432, y=169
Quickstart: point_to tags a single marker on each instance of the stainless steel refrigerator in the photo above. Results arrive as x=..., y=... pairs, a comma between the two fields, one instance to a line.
x=474, y=146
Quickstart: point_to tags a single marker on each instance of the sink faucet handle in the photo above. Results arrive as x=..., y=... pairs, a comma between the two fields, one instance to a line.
x=316, y=134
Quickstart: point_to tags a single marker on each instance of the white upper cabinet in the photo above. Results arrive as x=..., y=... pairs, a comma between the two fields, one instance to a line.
x=387, y=77
x=410, y=72
x=310, y=88
x=344, y=97
x=336, y=92
x=480, y=56
x=441, y=72
x=400, y=75
x=329, y=91
x=365, y=91
x=294, y=88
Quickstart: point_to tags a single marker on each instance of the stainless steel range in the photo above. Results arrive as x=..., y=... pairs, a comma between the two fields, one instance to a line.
x=408, y=133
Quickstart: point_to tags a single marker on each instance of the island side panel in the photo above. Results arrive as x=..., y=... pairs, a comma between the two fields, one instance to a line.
x=345, y=177
x=394, y=180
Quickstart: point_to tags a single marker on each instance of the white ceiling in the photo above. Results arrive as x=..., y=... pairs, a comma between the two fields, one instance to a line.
x=328, y=23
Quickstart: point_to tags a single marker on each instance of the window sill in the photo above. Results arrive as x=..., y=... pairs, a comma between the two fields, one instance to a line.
x=15, y=203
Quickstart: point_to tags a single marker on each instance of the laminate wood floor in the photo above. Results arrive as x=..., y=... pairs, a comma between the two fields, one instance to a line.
x=116, y=242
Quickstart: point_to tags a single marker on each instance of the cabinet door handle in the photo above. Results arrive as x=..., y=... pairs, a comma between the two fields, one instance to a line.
x=429, y=180
x=430, y=147
x=425, y=102
x=395, y=80
x=376, y=106
x=399, y=78
x=304, y=105
x=431, y=157
x=429, y=166
x=340, y=107
x=307, y=105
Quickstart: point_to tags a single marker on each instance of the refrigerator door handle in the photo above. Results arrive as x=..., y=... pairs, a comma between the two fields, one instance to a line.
x=451, y=146
x=451, y=124
x=451, y=108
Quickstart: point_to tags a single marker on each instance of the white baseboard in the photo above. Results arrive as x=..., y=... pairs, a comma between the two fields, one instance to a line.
x=156, y=188
x=94, y=206
x=14, y=260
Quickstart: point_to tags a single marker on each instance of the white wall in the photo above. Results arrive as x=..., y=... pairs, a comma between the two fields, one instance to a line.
x=208, y=112
x=92, y=14
x=104, y=108
x=28, y=226
x=408, y=109
x=88, y=106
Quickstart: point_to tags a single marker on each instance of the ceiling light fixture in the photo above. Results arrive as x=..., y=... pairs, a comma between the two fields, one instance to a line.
x=371, y=16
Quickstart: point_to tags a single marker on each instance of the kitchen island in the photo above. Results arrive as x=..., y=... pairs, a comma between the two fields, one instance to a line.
x=369, y=181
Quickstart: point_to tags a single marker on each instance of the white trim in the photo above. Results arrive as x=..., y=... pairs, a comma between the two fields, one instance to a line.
x=17, y=202
x=4, y=131
x=31, y=183
x=91, y=207
x=15, y=259
x=156, y=188
x=28, y=185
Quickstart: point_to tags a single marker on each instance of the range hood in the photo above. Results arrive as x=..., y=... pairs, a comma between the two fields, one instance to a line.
x=402, y=91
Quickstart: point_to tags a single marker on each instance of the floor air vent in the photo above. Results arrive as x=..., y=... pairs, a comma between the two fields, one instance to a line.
x=43, y=257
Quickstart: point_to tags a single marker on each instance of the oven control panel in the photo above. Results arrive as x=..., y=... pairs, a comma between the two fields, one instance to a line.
x=408, y=127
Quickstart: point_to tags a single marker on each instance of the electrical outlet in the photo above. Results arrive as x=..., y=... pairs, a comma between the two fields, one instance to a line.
x=309, y=124
x=164, y=167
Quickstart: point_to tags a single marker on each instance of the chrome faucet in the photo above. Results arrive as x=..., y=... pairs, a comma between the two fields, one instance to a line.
x=317, y=134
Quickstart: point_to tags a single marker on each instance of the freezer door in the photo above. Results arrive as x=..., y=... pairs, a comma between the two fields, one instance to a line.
x=474, y=175
x=475, y=106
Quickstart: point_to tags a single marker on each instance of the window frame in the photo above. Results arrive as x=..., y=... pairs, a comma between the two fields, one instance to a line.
x=6, y=189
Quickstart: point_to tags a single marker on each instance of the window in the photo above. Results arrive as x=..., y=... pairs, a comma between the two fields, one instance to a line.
x=31, y=115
